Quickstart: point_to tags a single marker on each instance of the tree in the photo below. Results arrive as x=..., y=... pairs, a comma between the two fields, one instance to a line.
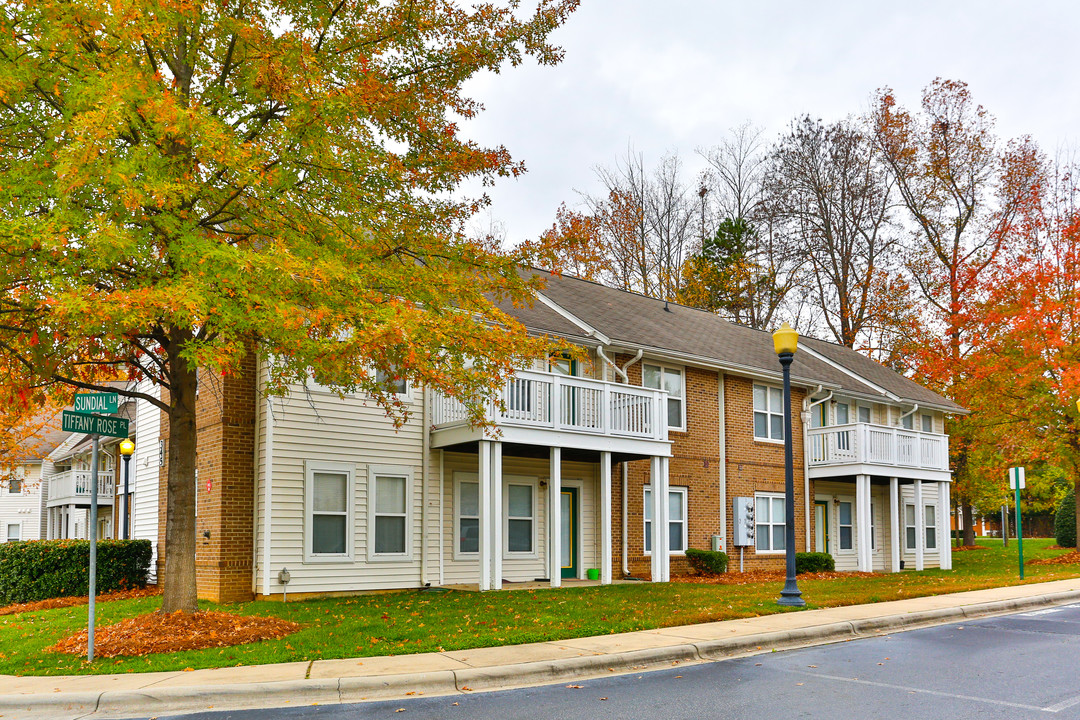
x=188, y=182
x=965, y=195
x=828, y=187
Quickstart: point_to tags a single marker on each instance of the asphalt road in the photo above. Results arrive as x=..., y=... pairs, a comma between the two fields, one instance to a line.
x=1015, y=666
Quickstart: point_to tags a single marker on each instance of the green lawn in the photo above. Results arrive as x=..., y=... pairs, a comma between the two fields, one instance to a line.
x=412, y=621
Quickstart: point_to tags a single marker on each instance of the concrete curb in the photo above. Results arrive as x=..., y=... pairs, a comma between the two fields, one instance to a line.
x=150, y=701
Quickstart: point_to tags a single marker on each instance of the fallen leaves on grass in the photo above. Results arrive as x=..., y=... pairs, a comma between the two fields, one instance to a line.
x=171, y=632
x=962, y=548
x=759, y=576
x=1070, y=558
x=61, y=602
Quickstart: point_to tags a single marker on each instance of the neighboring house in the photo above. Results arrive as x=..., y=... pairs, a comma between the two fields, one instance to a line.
x=21, y=499
x=618, y=462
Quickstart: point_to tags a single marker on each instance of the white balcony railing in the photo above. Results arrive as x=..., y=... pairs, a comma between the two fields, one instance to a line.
x=75, y=486
x=877, y=445
x=559, y=402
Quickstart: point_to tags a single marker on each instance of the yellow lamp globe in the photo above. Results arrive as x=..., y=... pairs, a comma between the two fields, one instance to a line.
x=127, y=447
x=785, y=340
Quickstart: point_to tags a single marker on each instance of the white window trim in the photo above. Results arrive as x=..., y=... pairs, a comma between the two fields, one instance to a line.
x=922, y=418
x=373, y=472
x=914, y=526
x=854, y=539
x=349, y=470
x=768, y=413
x=770, y=495
x=460, y=477
x=682, y=390
x=927, y=527
x=531, y=482
x=869, y=412
x=7, y=530
x=684, y=491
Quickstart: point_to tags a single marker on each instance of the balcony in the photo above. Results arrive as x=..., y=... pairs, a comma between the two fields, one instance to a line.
x=555, y=410
x=866, y=449
x=73, y=488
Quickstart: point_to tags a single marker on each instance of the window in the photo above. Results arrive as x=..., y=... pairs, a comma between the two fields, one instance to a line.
x=769, y=517
x=909, y=527
x=845, y=525
x=329, y=515
x=873, y=529
x=15, y=485
x=14, y=532
x=931, y=526
x=817, y=415
x=843, y=437
x=392, y=381
x=864, y=414
x=562, y=365
x=388, y=513
x=520, y=502
x=768, y=413
x=670, y=379
x=927, y=423
x=907, y=422
x=468, y=510
x=677, y=535
x=842, y=413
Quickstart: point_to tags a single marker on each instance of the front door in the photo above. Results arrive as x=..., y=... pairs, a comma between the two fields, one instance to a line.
x=569, y=545
x=821, y=526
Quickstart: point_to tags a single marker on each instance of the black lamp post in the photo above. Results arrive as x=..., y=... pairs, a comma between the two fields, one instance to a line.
x=786, y=342
x=126, y=449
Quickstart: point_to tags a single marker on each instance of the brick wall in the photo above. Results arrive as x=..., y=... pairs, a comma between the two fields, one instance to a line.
x=225, y=417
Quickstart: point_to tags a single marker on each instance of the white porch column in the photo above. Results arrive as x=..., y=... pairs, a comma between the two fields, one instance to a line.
x=894, y=524
x=920, y=527
x=656, y=570
x=862, y=522
x=484, y=481
x=944, y=526
x=605, y=518
x=665, y=521
x=496, y=515
x=555, y=518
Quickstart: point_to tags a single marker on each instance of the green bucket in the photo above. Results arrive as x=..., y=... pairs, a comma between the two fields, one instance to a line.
x=593, y=573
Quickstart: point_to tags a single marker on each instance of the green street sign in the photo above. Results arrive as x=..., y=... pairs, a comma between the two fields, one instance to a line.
x=105, y=403
x=94, y=424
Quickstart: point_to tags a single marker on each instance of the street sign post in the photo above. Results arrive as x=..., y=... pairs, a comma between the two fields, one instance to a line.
x=94, y=424
x=105, y=403
x=1017, y=481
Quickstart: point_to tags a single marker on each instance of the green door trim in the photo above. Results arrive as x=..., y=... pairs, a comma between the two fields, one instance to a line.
x=825, y=515
x=571, y=570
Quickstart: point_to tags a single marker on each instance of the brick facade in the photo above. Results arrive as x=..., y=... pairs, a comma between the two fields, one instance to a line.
x=225, y=487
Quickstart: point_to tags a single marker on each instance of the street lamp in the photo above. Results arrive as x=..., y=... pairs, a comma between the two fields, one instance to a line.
x=786, y=342
x=126, y=449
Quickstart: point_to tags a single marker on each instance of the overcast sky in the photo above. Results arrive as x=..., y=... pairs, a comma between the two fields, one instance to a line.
x=678, y=75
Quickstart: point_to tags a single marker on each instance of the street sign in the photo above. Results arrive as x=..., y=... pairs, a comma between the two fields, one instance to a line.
x=1016, y=478
x=105, y=403
x=94, y=424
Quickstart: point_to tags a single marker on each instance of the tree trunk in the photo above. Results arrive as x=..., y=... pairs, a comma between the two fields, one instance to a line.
x=969, y=524
x=179, y=590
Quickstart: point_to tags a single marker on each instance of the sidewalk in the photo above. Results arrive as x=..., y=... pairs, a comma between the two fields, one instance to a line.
x=354, y=680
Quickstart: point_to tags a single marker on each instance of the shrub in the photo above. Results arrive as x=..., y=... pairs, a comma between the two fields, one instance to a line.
x=707, y=562
x=1065, y=520
x=43, y=569
x=808, y=562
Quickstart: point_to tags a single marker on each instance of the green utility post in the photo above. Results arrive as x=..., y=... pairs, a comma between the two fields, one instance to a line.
x=1017, y=482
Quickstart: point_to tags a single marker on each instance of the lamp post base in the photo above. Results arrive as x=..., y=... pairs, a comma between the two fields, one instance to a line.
x=791, y=596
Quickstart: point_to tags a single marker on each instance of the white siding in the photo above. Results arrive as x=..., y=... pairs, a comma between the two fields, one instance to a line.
x=144, y=473
x=847, y=560
x=23, y=508
x=931, y=558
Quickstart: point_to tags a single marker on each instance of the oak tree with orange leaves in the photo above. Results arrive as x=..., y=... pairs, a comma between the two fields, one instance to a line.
x=186, y=182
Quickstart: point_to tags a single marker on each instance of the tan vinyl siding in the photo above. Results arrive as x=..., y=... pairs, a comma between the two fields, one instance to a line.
x=931, y=558
x=144, y=473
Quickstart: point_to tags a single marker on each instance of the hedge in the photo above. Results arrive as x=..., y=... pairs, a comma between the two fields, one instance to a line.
x=808, y=562
x=1065, y=520
x=43, y=569
x=707, y=562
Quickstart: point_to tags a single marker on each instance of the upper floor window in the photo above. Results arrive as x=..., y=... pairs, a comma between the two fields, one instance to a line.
x=664, y=377
x=907, y=422
x=927, y=423
x=768, y=412
x=392, y=381
x=842, y=413
x=563, y=365
x=15, y=485
x=864, y=413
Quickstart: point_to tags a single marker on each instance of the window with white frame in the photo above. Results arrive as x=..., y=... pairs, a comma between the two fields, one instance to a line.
x=907, y=422
x=909, y=527
x=930, y=513
x=388, y=513
x=864, y=413
x=14, y=532
x=329, y=516
x=927, y=423
x=769, y=518
x=15, y=485
x=817, y=415
x=677, y=511
x=768, y=413
x=666, y=377
x=520, y=518
x=468, y=515
x=873, y=529
x=843, y=437
x=392, y=381
x=845, y=525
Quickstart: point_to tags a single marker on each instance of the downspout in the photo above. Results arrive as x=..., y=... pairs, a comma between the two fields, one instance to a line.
x=425, y=457
x=257, y=462
x=625, y=552
x=268, y=494
x=621, y=372
x=912, y=411
x=806, y=414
